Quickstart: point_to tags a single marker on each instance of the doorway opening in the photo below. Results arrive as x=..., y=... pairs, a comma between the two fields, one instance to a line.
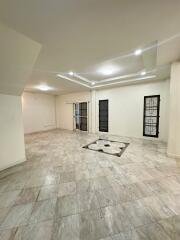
x=80, y=116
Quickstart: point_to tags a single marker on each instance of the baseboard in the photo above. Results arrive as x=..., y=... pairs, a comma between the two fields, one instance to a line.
x=12, y=164
x=173, y=155
x=140, y=137
x=40, y=131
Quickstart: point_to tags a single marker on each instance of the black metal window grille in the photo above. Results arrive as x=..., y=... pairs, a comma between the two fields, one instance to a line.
x=103, y=115
x=151, y=116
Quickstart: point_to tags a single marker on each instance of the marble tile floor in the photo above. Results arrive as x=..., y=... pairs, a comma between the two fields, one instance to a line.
x=66, y=192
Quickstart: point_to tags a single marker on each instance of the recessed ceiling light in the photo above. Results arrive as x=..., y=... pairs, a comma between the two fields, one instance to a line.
x=71, y=73
x=108, y=70
x=138, y=52
x=44, y=88
x=143, y=73
x=93, y=83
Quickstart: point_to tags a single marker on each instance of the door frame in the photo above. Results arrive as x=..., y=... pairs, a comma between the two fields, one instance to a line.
x=74, y=117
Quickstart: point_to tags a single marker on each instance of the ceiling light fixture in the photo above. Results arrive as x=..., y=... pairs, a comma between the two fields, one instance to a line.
x=143, y=73
x=71, y=73
x=138, y=52
x=108, y=70
x=93, y=83
x=43, y=88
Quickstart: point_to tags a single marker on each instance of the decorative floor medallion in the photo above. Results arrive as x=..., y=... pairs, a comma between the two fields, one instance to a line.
x=107, y=146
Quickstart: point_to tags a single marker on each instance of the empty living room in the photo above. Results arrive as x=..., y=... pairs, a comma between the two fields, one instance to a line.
x=89, y=120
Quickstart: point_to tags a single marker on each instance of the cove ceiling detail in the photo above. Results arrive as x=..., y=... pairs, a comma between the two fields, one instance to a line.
x=120, y=69
x=96, y=40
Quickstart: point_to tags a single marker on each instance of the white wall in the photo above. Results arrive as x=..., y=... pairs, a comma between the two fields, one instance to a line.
x=64, y=108
x=18, y=55
x=38, y=112
x=126, y=108
x=174, y=123
x=11, y=131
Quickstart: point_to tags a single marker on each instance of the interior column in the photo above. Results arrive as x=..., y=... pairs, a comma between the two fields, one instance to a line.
x=174, y=112
x=93, y=111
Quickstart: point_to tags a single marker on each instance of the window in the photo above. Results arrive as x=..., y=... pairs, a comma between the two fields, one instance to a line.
x=151, y=116
x=103, y=115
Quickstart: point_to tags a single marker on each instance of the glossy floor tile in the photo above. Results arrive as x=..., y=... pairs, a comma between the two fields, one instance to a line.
x=27, y=195
x=66, y=192
x=17, y=216
x=43, y=210
x=40, y=231
x=66, y=228
x=7, y=199
x=93, y=226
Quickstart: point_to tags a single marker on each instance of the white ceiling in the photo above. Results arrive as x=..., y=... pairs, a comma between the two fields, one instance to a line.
x=84, y=35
